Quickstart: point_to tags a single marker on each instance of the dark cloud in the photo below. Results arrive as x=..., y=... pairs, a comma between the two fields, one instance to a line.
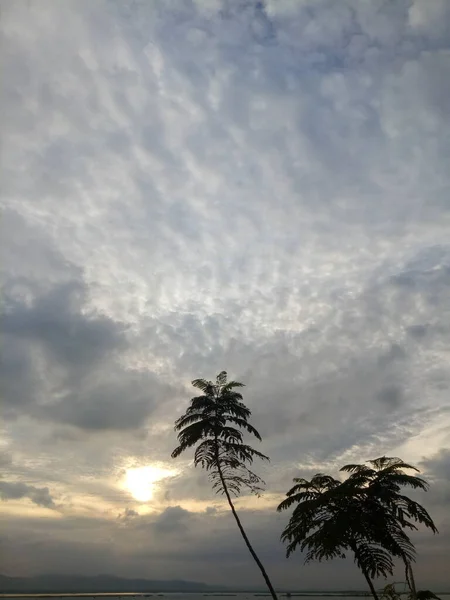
x=5, y=459
x=31, y=272
x=127, y=515
x=55, y=322
x=395, y=352
x=438, y=465
x=211, y=539
x=391, y=397
x=62, y=363
x=418, y=332
x=173, y=520
x=124, y=402
x=12, y=490
x=18, y=375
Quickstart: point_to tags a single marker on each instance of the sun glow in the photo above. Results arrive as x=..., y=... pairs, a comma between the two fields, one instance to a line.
x=140, y=481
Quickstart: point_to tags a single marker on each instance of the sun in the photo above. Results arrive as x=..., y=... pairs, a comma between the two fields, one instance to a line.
x=140, y=481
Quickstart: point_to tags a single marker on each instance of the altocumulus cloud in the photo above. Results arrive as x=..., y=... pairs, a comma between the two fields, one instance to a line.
x=191, y=186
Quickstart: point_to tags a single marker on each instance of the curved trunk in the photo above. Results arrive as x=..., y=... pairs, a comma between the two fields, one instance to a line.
x=364, y=572
x=410, y=580
x=241, y=529
x=370, y=584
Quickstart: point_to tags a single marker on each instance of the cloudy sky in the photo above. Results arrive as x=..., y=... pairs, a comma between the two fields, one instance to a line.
x=197, y=185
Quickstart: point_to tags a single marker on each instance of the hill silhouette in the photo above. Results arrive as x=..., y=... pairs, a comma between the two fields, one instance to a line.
x=96, y=584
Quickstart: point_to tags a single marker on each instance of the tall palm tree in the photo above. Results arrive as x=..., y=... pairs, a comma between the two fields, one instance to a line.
x=208, y=424
x=381, y=484
x=329, y=521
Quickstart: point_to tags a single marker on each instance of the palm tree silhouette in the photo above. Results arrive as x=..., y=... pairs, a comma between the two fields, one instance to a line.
x=381, y=483
x=328, y=522
x=366, y=514
x=220, y=449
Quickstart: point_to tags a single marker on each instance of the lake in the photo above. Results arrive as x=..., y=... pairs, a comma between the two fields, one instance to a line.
x=205, y=595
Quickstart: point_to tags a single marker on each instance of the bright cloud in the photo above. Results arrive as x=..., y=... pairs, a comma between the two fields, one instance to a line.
x=140, y=481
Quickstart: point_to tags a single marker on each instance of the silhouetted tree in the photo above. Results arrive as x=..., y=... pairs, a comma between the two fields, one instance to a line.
x=381, y=484
x=220, y=448
x=366, y=514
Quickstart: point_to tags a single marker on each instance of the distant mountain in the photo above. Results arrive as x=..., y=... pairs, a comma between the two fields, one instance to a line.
x=58, y=584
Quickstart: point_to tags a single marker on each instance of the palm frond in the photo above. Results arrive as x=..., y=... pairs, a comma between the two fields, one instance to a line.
x=187, y=419
x=230, y=434
x=178, y=450
x=359, y=469
x=245, y=425
x=374, y=560
x=207, y=387
x=245, y=452
x=202, y=403
x=387, y=463
x=205, y=454
x=232, y=384
x=416, y=511
x=402, y=479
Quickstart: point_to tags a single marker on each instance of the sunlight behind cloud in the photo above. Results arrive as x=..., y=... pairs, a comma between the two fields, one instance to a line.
x=141, y=481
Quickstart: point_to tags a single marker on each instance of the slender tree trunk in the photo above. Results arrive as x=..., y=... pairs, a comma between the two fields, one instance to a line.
x=354, y=547
x=241, y=529
x=370, y=583
x=410, y=579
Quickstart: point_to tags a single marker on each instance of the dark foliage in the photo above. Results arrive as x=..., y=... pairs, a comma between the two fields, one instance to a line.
x=366, y=515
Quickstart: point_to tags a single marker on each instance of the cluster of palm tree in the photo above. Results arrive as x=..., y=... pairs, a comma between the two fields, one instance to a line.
x=365, y=515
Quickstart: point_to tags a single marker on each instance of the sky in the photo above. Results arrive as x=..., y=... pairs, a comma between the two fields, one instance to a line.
x=191, y=186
